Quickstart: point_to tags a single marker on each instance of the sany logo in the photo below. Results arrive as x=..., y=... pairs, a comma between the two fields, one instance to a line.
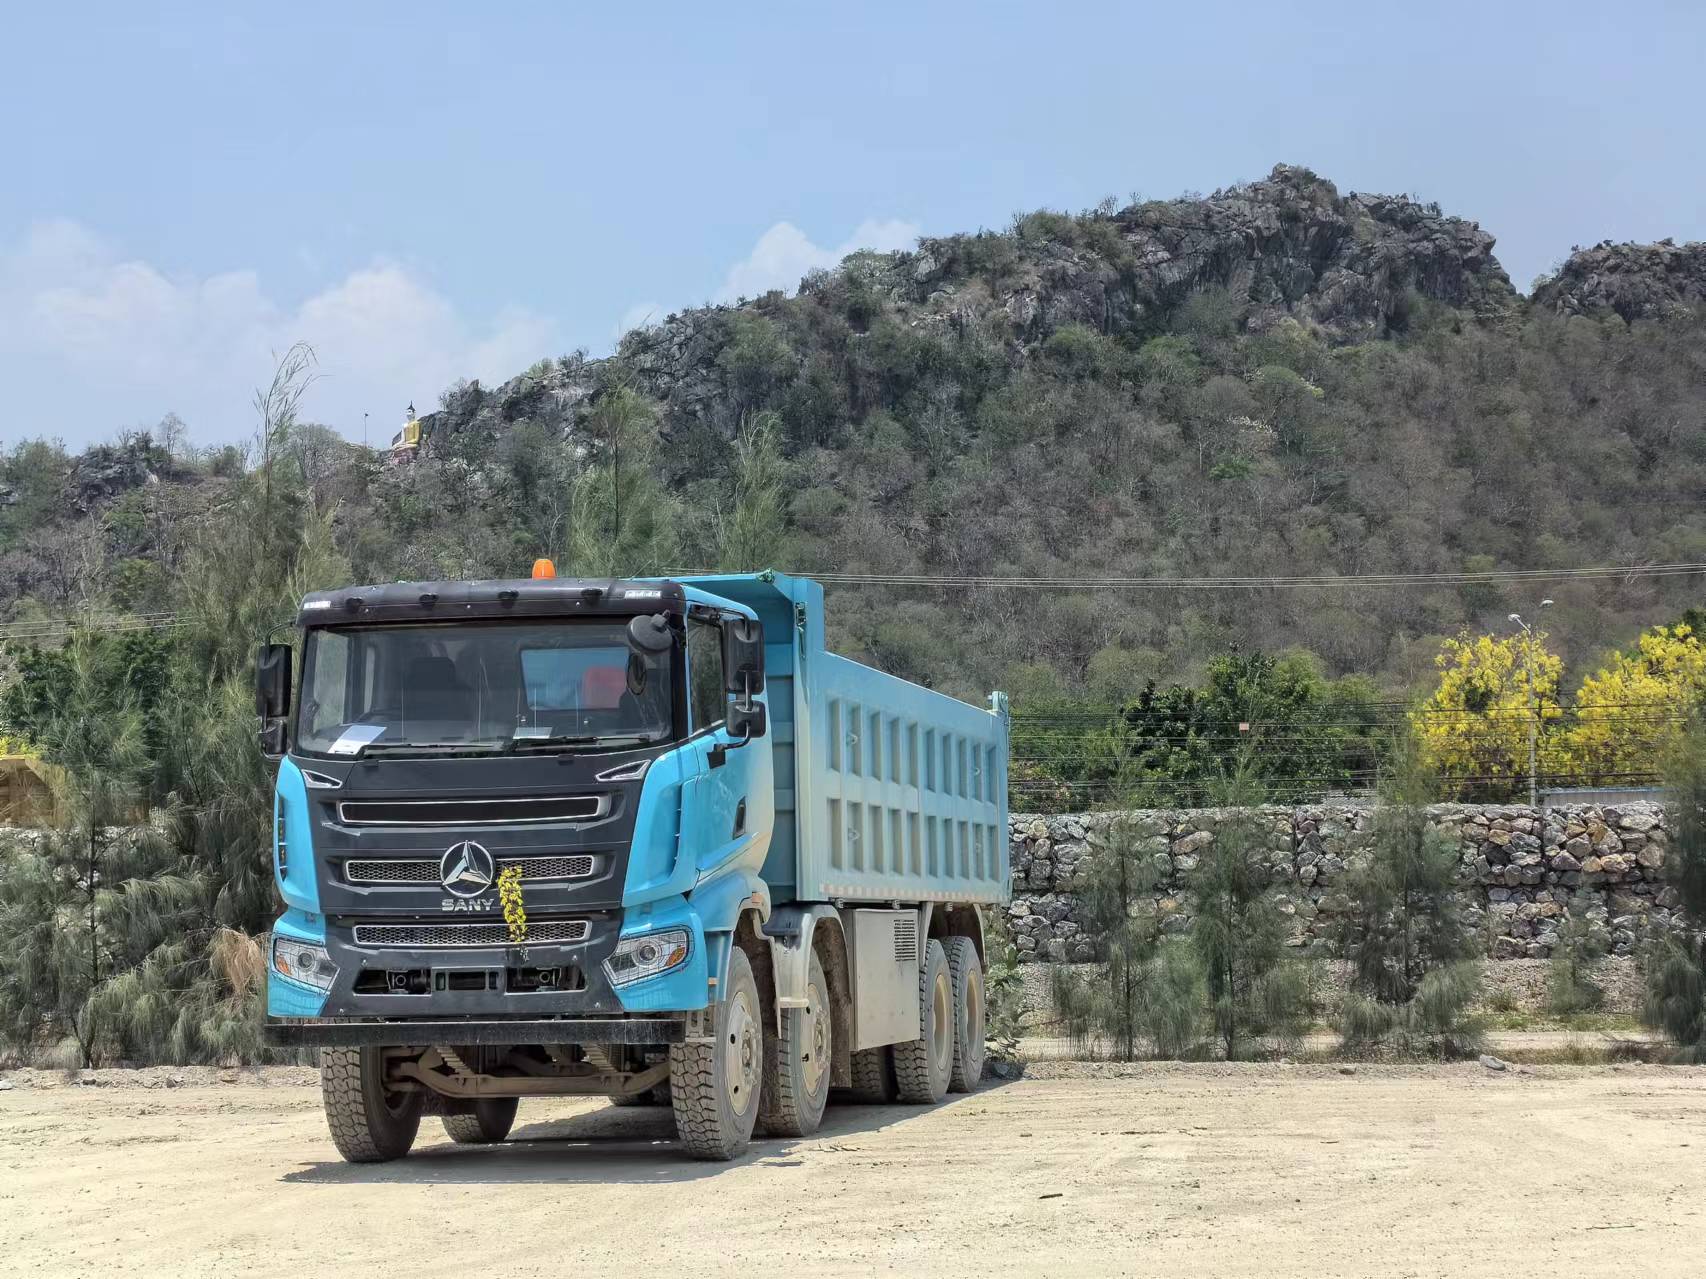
x=467, y=869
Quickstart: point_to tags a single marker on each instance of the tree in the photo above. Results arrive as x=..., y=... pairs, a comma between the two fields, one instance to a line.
x=752, y=521
x=1676, y=964
x=623, y=521
x=1572, y=970
x=1626, y=712
x=1238, y=933
x=1412, y=979
x=1311, y=735
x=1474, y=729
x=88, y=897
x=1140, y=991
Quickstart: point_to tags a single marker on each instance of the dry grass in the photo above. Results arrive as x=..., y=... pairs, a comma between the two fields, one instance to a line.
x=236, y=959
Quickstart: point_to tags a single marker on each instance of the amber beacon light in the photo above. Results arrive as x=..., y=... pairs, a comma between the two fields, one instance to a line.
x=544, y=568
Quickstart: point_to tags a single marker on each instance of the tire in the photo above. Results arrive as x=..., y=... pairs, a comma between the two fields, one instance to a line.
x=486, y=1121
x=714, y=1087
x=873, y=1077
x=965, y=973
x=369, y=1123
x=797, y=1063
x=923, y=1066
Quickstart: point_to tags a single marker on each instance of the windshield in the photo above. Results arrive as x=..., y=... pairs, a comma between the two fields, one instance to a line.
x=496, y=686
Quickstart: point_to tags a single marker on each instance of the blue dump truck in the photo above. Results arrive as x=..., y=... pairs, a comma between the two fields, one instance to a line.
x=641, y=839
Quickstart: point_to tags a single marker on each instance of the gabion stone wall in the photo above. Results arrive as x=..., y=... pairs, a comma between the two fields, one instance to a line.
x=1523, y=871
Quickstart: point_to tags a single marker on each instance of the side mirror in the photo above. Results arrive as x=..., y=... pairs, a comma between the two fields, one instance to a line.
x=743, y=658
x=649, y=633
x=273, y=739
x=272, y=681
x=272, y=698
x=749, y=721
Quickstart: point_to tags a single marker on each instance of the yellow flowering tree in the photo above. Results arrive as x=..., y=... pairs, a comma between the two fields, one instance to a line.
x=1474, y=729
x=1629, y=713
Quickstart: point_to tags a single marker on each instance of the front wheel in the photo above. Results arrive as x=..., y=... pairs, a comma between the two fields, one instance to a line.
x=483, y=1122
x=370, y=1123
x=714, y=1085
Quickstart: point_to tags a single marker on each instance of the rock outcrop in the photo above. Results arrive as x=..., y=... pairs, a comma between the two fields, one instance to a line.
x=1287, y=245
x=1636, y=281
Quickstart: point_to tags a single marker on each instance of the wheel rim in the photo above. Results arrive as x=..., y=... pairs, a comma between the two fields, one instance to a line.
x=942, y=1023
x=740, y=1058
x=974, y=1019
x=816, y=1064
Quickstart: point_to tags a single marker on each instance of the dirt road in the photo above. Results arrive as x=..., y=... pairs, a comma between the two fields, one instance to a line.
x=1176, y=1170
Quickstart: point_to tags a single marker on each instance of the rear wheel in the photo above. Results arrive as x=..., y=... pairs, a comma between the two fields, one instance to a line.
x=873, y=1076
x=965, y=974
x=796, y=1063
x=714, y=1086
x=923, y=1066
x=483, y=1121
x=369, y=1122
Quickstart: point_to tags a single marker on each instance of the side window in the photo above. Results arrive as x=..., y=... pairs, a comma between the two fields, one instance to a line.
x=705, y=674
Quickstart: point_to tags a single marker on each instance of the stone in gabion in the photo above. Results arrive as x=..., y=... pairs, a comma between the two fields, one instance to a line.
x=1522, y=871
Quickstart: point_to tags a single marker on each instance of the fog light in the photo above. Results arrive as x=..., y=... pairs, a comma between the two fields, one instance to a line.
x=647, y=955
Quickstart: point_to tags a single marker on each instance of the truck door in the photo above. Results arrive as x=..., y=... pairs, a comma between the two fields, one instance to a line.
x=719, y=806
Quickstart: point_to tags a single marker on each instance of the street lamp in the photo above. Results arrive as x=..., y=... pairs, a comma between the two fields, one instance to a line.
x=1533, y=710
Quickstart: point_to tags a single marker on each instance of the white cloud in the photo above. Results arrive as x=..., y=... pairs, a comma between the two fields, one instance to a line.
x=91, y=341
x=784, y=254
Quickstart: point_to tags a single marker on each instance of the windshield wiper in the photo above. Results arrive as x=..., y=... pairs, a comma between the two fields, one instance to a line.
x=518, y=744
x=431, y=748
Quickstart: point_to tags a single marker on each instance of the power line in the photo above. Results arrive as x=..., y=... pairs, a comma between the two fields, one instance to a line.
x=1245, y=583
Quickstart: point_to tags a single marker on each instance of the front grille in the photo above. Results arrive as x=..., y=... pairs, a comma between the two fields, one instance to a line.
x=472, y=812
x=541, y=933
x=534, y=870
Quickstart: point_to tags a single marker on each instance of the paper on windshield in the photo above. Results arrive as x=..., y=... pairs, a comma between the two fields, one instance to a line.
x=354, y=738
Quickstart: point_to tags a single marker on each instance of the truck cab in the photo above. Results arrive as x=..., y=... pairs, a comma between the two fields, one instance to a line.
x=542, y=836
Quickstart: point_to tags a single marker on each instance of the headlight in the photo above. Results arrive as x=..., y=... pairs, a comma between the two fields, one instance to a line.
x=647, y=955
x=303, y=961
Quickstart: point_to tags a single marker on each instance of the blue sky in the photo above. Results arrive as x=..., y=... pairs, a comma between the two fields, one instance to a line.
x=433, y=190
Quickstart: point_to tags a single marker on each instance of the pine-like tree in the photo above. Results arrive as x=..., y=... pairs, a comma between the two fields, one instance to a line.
x=1572, y=984
x=88, y=897
x=623, y=521
x=1412, y=977
x=752, y=521
x=1676, y=966
x=1238, y=932
x=1144, y=992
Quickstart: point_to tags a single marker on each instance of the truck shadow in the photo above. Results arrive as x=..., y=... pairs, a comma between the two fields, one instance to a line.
x=632, y=1144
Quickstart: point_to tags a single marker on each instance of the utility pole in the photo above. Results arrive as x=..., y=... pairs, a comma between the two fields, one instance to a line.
x=1533, y=709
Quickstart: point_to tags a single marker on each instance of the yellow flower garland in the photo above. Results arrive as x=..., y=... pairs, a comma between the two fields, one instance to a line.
x=509, y=894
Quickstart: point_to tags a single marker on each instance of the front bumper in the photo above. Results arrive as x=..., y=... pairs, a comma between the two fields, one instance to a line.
x=489, y=970
x=332, y=1033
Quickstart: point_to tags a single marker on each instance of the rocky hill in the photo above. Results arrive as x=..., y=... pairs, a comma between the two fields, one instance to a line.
x=1634, y=281
x=1351, y=267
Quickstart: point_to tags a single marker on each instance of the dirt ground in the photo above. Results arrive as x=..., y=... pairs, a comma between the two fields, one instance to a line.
x=1075, y=1169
